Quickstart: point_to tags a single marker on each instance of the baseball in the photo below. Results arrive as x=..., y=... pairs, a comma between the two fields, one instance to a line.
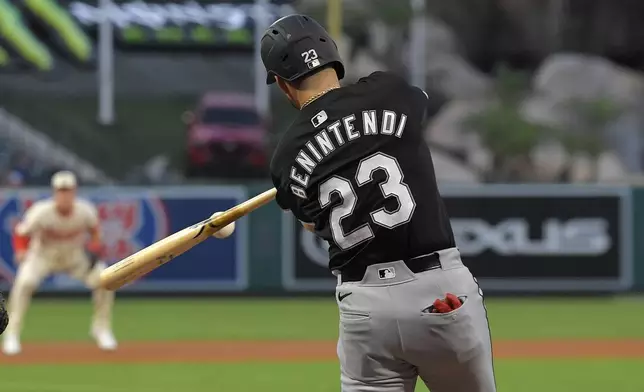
x=225, y=231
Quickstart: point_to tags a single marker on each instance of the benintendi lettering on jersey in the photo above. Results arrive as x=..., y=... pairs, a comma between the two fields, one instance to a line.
x=338, y=133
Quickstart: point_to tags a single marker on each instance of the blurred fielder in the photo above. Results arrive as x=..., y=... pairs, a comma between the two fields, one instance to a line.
x=59, y=235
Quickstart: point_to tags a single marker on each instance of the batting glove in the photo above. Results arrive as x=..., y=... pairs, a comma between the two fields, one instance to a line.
x=446, y=305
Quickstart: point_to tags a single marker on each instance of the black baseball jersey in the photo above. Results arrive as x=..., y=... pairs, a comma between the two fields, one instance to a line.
x=354, y=163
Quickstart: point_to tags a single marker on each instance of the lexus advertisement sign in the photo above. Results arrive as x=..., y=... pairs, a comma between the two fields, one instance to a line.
x=513, y=238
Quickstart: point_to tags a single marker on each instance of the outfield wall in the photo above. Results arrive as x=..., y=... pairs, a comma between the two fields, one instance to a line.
x=518, y=238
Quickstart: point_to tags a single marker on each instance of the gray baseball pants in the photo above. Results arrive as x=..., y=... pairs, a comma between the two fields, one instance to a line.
x=387, y=340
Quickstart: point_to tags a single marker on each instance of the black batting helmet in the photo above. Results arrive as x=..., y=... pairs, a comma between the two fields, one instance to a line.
x=295, y=46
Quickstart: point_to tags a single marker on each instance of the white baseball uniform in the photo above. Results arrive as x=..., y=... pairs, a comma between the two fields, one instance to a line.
x=57, y=245
x=57, y=241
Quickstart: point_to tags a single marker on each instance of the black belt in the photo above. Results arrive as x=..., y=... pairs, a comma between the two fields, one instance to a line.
x=415, y=265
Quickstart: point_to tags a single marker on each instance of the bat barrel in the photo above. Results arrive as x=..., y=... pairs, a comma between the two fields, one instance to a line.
x=116, y=276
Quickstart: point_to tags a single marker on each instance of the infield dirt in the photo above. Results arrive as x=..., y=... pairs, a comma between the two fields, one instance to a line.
x=291, y=351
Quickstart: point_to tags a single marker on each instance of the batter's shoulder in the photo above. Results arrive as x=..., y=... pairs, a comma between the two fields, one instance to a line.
x=277, y=160
x=287, y=147
x=383, y=77
x=384, y=85
x=394, y=88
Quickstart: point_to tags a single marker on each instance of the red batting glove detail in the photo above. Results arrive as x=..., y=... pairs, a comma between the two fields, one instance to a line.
x=453, y=301
x=441, y=307
x=449, y=304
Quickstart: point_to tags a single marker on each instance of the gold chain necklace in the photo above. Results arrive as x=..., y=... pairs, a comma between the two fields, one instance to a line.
x=318, y=95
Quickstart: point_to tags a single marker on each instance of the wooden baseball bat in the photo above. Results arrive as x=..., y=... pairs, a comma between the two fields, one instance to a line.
x=162, y=251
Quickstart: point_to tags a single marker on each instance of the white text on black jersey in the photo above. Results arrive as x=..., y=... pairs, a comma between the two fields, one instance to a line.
x=336, y=135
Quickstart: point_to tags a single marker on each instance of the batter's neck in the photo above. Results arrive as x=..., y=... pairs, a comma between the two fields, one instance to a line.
x=316, y=86
x=308, y=96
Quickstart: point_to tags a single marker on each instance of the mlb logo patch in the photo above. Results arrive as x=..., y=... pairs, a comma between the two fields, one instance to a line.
x=313, y=64
x=387, y=273
x=319, y=119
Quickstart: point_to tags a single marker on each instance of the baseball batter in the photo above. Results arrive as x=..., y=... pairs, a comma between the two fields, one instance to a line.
x=354, y=168
x=59, y=235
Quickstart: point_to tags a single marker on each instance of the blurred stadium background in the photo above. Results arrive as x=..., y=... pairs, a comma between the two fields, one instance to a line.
x=536, y=129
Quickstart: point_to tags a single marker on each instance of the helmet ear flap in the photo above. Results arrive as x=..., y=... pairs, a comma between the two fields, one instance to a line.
x=339, y=69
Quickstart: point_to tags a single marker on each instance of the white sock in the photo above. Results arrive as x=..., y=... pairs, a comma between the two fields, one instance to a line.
x=103, y=303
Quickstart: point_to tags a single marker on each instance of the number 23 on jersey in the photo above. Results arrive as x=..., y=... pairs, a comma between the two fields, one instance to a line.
x=392, y=186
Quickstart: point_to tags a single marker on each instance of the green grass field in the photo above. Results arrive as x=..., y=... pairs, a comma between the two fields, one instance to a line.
x=245, y=319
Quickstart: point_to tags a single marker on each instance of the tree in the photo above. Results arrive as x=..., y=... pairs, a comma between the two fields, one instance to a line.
x=511, y=138
x=503, y=130
x=589, y=120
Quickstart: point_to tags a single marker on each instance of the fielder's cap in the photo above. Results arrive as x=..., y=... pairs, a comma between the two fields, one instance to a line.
x=63, y=180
